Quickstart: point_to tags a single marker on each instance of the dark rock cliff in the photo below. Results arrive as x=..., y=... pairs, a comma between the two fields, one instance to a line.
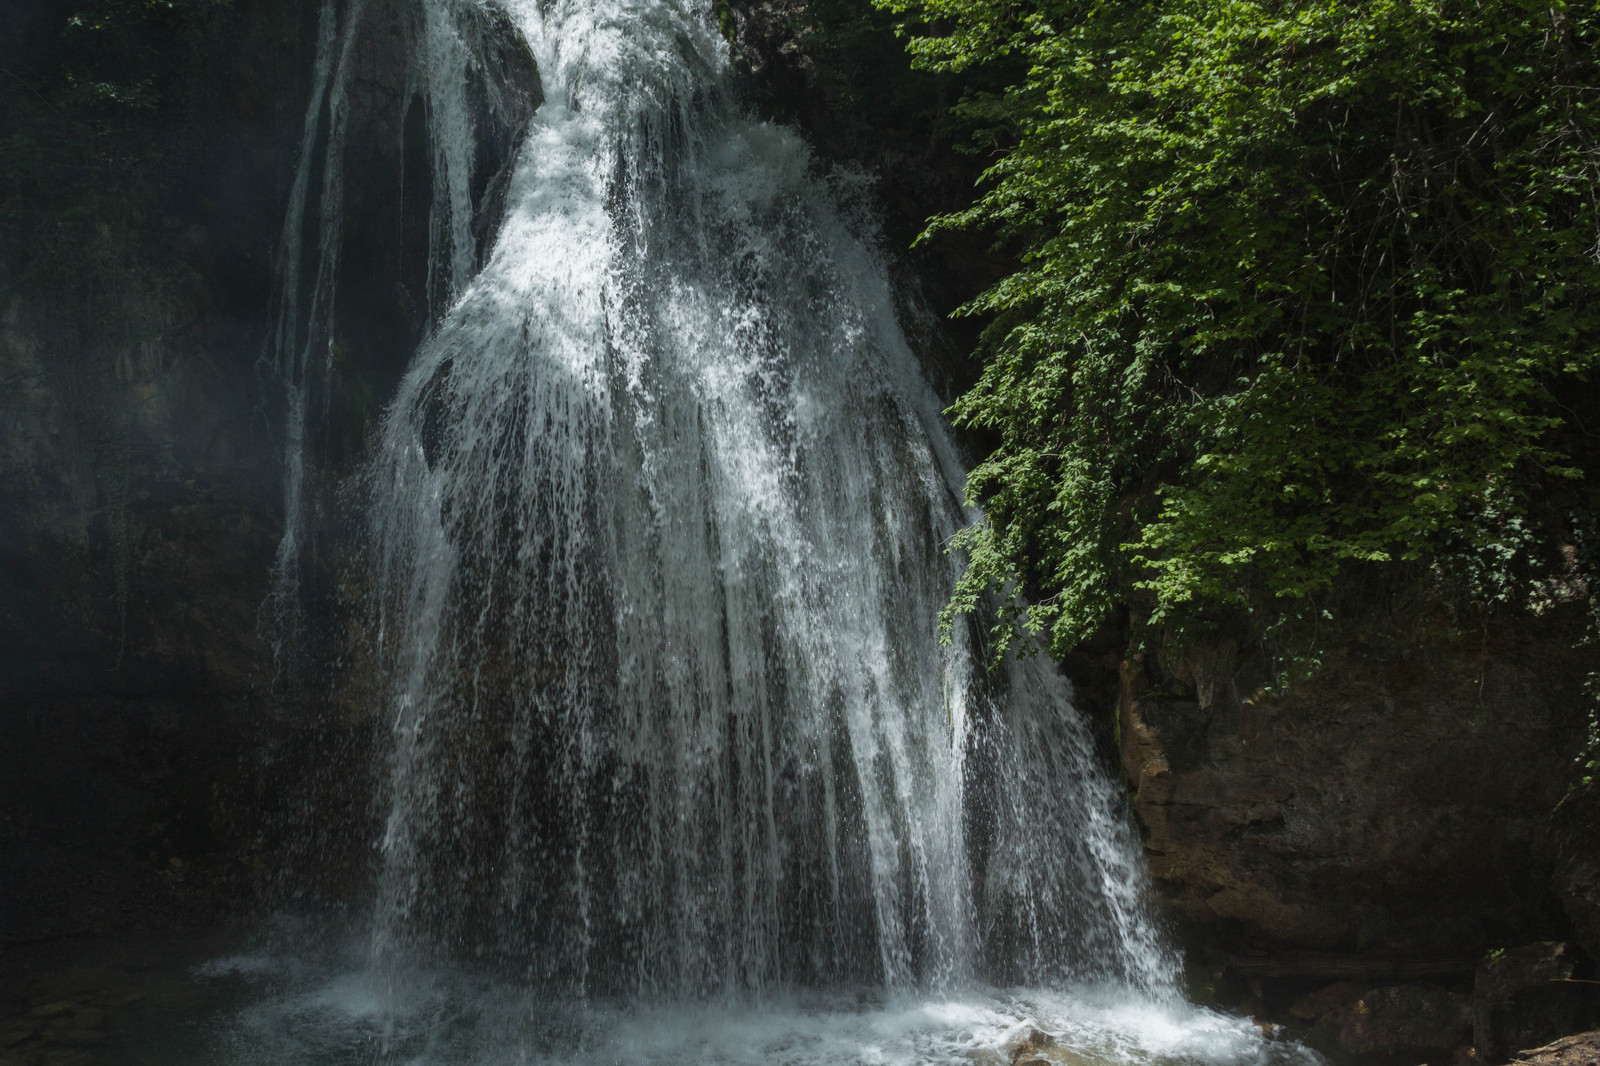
x=138, y=482
x=1397, y=804
x=1378, y=829
x=158, y=753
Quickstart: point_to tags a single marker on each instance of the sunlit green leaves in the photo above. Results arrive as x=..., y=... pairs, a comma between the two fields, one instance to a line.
x=1307, y=286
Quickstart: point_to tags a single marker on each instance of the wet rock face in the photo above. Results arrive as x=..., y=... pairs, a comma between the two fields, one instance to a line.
x=150, y=754
x=138, y=500
x=842, y=77
x=389, y=290
x=1389, y=818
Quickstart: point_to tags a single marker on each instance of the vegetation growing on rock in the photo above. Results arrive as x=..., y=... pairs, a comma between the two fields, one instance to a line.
x=1310, y=293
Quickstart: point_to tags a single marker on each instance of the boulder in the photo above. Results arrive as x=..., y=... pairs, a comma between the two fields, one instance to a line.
x=1527, y=996
x=1576, y=876
x=1396, y=1019
x=1030, y=1045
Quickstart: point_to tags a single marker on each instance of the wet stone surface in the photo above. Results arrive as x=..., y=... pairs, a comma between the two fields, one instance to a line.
x=91, y=1002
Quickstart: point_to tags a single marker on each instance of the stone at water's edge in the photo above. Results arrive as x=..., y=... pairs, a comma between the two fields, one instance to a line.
x=1347, y=1018
x=1406, y=1018
x=1582, y=1049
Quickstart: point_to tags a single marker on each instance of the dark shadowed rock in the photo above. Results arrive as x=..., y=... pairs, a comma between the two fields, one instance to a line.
x=150, y=756
x=1386, y=821
x=1576, y=877
x=1524, y=997
x=1411, y=1019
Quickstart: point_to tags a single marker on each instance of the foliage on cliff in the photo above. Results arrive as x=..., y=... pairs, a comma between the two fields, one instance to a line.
x=98, y=95
x=1309, y=287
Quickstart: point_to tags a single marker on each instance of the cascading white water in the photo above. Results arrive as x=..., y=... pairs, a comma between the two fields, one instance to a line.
x=658, y=519
x=680, y=772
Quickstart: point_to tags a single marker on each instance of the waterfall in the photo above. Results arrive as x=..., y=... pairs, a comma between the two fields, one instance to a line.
x=658, y=522
x=459, y=101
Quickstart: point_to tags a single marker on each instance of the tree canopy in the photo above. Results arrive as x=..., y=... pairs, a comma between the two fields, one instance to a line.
x=1306, y=287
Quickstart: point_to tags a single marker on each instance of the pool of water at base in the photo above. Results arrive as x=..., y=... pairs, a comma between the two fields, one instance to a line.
x=152, y=1000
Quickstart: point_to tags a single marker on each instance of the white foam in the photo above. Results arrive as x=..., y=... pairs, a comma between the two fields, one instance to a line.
x=462, y=1017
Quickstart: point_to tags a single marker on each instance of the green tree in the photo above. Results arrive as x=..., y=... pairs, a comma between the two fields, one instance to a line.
x=1309, y=287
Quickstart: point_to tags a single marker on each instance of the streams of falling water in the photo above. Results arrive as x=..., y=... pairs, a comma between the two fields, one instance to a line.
x=658, y=519
x=438, y=35
x=304, y=305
